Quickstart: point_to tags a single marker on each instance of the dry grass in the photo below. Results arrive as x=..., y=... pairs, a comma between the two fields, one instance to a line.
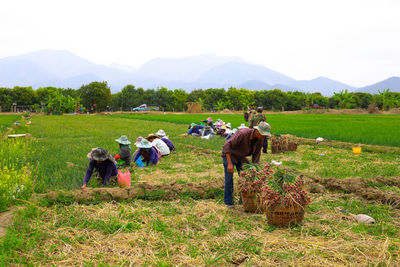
x=188, y=233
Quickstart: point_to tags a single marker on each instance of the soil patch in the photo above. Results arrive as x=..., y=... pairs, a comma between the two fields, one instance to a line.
x=360, y=187
x=142, y=190
x=5, y=221
x=334, y=143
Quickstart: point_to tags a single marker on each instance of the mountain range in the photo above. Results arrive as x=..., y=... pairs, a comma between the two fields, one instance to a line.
x=67, y=70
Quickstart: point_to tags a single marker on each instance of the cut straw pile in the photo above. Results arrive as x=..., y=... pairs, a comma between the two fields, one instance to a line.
x=204, y=232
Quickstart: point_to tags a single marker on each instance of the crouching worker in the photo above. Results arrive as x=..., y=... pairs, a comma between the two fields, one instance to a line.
x=147, y=153
x=159, y=144
x=195, y=130
x=163, y=136
x=245, y=142
x=105, y=164
x=123, y=157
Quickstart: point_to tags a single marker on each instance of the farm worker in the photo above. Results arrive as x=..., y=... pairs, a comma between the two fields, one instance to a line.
x=105, y=164
x=245, y=142
x=163, y=136
x=228, y=129
x=255, y=120
x=195, y=129
x=209, y=122
x=251, y=112
x=147, y=152
x=208, y=131
x=242, y=126
x=230, y=135
x=123, y=157
x=159, y=144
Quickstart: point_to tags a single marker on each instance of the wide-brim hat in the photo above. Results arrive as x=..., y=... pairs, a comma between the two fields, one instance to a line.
x=123, y=140
x=151, y=136
x=161, y=133
x=234, y=130
x=102, y=154
x=209, y=119
x=228, y=125
x=264, y=128
x=193, y=124
x=242, y=126
x=138, y=140
x=144, y=143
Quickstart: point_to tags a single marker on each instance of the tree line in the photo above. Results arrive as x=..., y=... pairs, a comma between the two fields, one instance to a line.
x=96, y=97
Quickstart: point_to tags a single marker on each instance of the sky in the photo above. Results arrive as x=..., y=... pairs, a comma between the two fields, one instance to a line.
x=353, y=41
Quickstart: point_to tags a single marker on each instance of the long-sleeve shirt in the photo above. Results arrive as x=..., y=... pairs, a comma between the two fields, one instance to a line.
x=195, y=129
x=169, y=143
x=243, y=144
x=125, y=155
x=153, y=156
x=256, y=119
x=106, y=169
x=164, y=149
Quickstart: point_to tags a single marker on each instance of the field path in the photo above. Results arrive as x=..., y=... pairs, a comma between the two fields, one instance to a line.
x=5, y=221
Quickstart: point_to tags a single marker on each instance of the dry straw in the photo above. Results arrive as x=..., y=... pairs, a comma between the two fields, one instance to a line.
x=334, y=245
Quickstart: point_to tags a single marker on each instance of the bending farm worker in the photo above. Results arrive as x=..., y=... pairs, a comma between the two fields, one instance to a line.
x=105, y=164
x=147, y=152
x=159, y=144
x=195, y=129
x=163, y=136
x=245, y=142
x=124, y=155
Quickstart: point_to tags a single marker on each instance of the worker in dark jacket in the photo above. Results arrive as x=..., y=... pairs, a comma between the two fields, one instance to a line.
x=245, y=142
x=105, y=164
x=123, y=157
x=255, y=120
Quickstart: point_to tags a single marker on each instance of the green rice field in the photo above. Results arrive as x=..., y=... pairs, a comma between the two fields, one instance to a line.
x=364, y=129
x=7, y=120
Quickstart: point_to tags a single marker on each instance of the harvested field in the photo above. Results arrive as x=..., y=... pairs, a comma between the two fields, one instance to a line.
x=186, y=232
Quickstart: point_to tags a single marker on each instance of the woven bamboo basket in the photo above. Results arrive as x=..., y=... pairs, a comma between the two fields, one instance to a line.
x=285, y=216
x=252, y=202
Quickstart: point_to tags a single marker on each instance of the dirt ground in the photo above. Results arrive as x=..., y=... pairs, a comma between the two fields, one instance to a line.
x=358, y=187
x=5, y=221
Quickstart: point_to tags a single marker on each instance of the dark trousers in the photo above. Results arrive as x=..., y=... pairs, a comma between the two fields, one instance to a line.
x=228, y=193
x=265, y=145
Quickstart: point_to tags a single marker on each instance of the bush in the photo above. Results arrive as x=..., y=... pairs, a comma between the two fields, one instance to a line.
x=15, y=172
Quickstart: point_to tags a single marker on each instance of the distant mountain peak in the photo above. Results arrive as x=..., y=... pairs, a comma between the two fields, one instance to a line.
x=64, y=69
x=391, y=83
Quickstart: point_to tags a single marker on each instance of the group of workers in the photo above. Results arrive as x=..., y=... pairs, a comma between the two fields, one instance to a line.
x=240, y=144
x=207, y=128
x=149, y=151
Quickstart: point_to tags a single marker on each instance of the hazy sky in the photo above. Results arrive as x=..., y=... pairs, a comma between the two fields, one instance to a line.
x=353, y=41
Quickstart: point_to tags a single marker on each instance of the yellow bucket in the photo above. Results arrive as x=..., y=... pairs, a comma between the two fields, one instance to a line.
x=356, y=150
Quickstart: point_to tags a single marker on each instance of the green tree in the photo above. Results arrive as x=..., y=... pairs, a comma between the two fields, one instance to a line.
x=95, y=96
x=362, y=100
x=59, y=103
x=23, y=95
x=5, y=99
x=179, y=99
x=345, y=99
x=246, y=98
x=163, y=98
x=43, y=93
x=234, y=96
x=391, y=102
